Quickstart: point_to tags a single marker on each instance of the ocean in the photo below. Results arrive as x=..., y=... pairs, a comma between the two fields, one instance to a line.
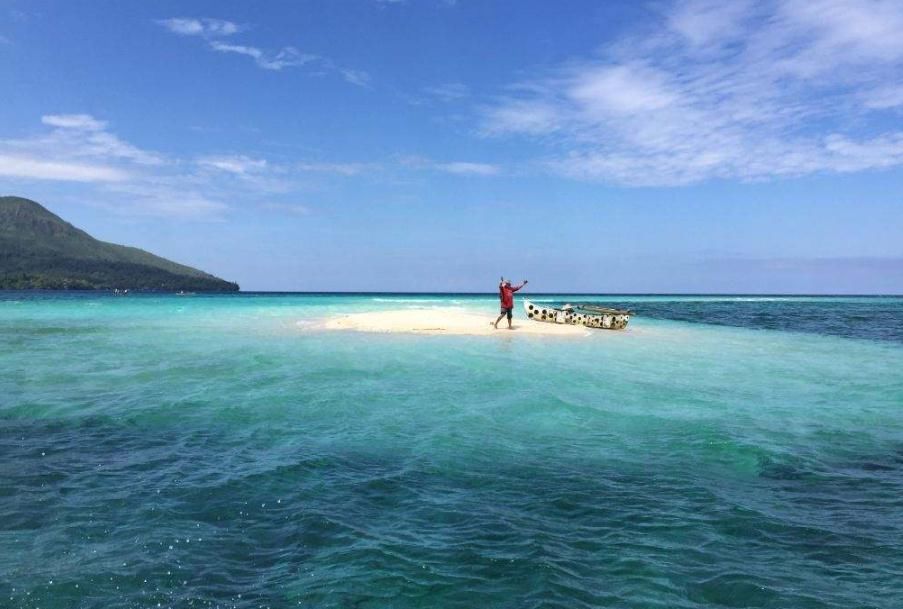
x=224, y=451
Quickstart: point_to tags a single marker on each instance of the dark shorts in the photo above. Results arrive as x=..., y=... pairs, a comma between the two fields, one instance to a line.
x=507, y=310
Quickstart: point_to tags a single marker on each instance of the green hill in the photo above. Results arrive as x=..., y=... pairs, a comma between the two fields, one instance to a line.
x=38, y=249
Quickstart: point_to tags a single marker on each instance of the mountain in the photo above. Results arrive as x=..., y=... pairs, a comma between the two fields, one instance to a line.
x=38, y=249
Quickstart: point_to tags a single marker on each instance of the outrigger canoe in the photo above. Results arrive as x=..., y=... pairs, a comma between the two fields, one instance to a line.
x=588, y=315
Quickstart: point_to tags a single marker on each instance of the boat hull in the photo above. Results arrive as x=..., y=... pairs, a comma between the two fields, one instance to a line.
x=614, y=320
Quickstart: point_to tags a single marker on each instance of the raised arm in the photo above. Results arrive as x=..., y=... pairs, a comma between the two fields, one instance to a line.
x=520, y=286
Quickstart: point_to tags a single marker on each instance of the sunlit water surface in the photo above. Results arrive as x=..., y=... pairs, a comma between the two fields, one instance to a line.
x=222, y=451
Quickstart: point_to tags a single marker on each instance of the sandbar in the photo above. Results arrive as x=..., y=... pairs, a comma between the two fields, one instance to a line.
x=445, y=321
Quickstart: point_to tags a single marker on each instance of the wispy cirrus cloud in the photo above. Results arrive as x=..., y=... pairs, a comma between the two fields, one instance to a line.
x=83, y=136
x=127, y=179
x=203, y=27
x=239, y=172
x=466, y=168
x=410, y=162
x=356, y=77
x=344, y=169
x=462, y=168
x=79, y=148
x=290, y=208
x=442, y=93
x=25, y=166
x=883, y=97
x=286, y=57
x=448, y=92
x=213, y=31
x=177, y=196
x=237, y=164
x=74, y=121
x=741, y=90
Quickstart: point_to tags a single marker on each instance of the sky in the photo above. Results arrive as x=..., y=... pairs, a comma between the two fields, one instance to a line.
x=434, y=145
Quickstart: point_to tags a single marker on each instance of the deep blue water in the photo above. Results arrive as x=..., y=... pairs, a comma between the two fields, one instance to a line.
x=874, y=317
x=224, y=451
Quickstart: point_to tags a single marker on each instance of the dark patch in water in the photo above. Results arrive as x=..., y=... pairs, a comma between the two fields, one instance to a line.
x=732, y=590
x=876, y=467
x=868, y=318
x=782, y=470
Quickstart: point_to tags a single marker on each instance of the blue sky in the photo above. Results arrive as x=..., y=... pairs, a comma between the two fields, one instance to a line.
x=427, y=145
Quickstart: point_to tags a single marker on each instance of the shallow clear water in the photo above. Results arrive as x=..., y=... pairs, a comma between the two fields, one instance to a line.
x=221, y=451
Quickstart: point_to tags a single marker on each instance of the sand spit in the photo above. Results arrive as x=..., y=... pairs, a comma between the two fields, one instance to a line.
x=445, y=321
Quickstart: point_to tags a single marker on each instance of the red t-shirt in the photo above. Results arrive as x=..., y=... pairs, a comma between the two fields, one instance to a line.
x=506, y=295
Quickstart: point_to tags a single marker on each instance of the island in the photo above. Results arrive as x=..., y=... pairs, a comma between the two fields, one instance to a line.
x=40, y=250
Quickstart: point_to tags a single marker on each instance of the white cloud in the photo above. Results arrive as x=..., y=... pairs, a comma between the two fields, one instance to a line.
x=125, y=178
x=203, y=27
x=845, y=155
x=883, y=97
x=465, y=168
x=276, y=60
x=624, y=89
x=74, y=121
x=169, y=197
x=240, y=165
x=103, y=144
x=523, y=116
x=129, y=180
x=707, y=22
x=346, y=169
x=291, y=208
x=743, y=89
x=448, y=92
x=26, y=167
x=284, y=58
x=841, y=33
x=78, y=149
x=455, y=167
x=356, y=77
x=82, y=135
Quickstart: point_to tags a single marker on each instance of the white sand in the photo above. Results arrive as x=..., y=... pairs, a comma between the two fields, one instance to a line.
x=446, y=321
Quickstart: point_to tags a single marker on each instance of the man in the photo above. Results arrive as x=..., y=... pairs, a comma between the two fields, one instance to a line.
x=506, y=296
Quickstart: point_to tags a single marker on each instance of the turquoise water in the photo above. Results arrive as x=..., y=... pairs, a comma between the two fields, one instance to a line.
x=222, y=451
